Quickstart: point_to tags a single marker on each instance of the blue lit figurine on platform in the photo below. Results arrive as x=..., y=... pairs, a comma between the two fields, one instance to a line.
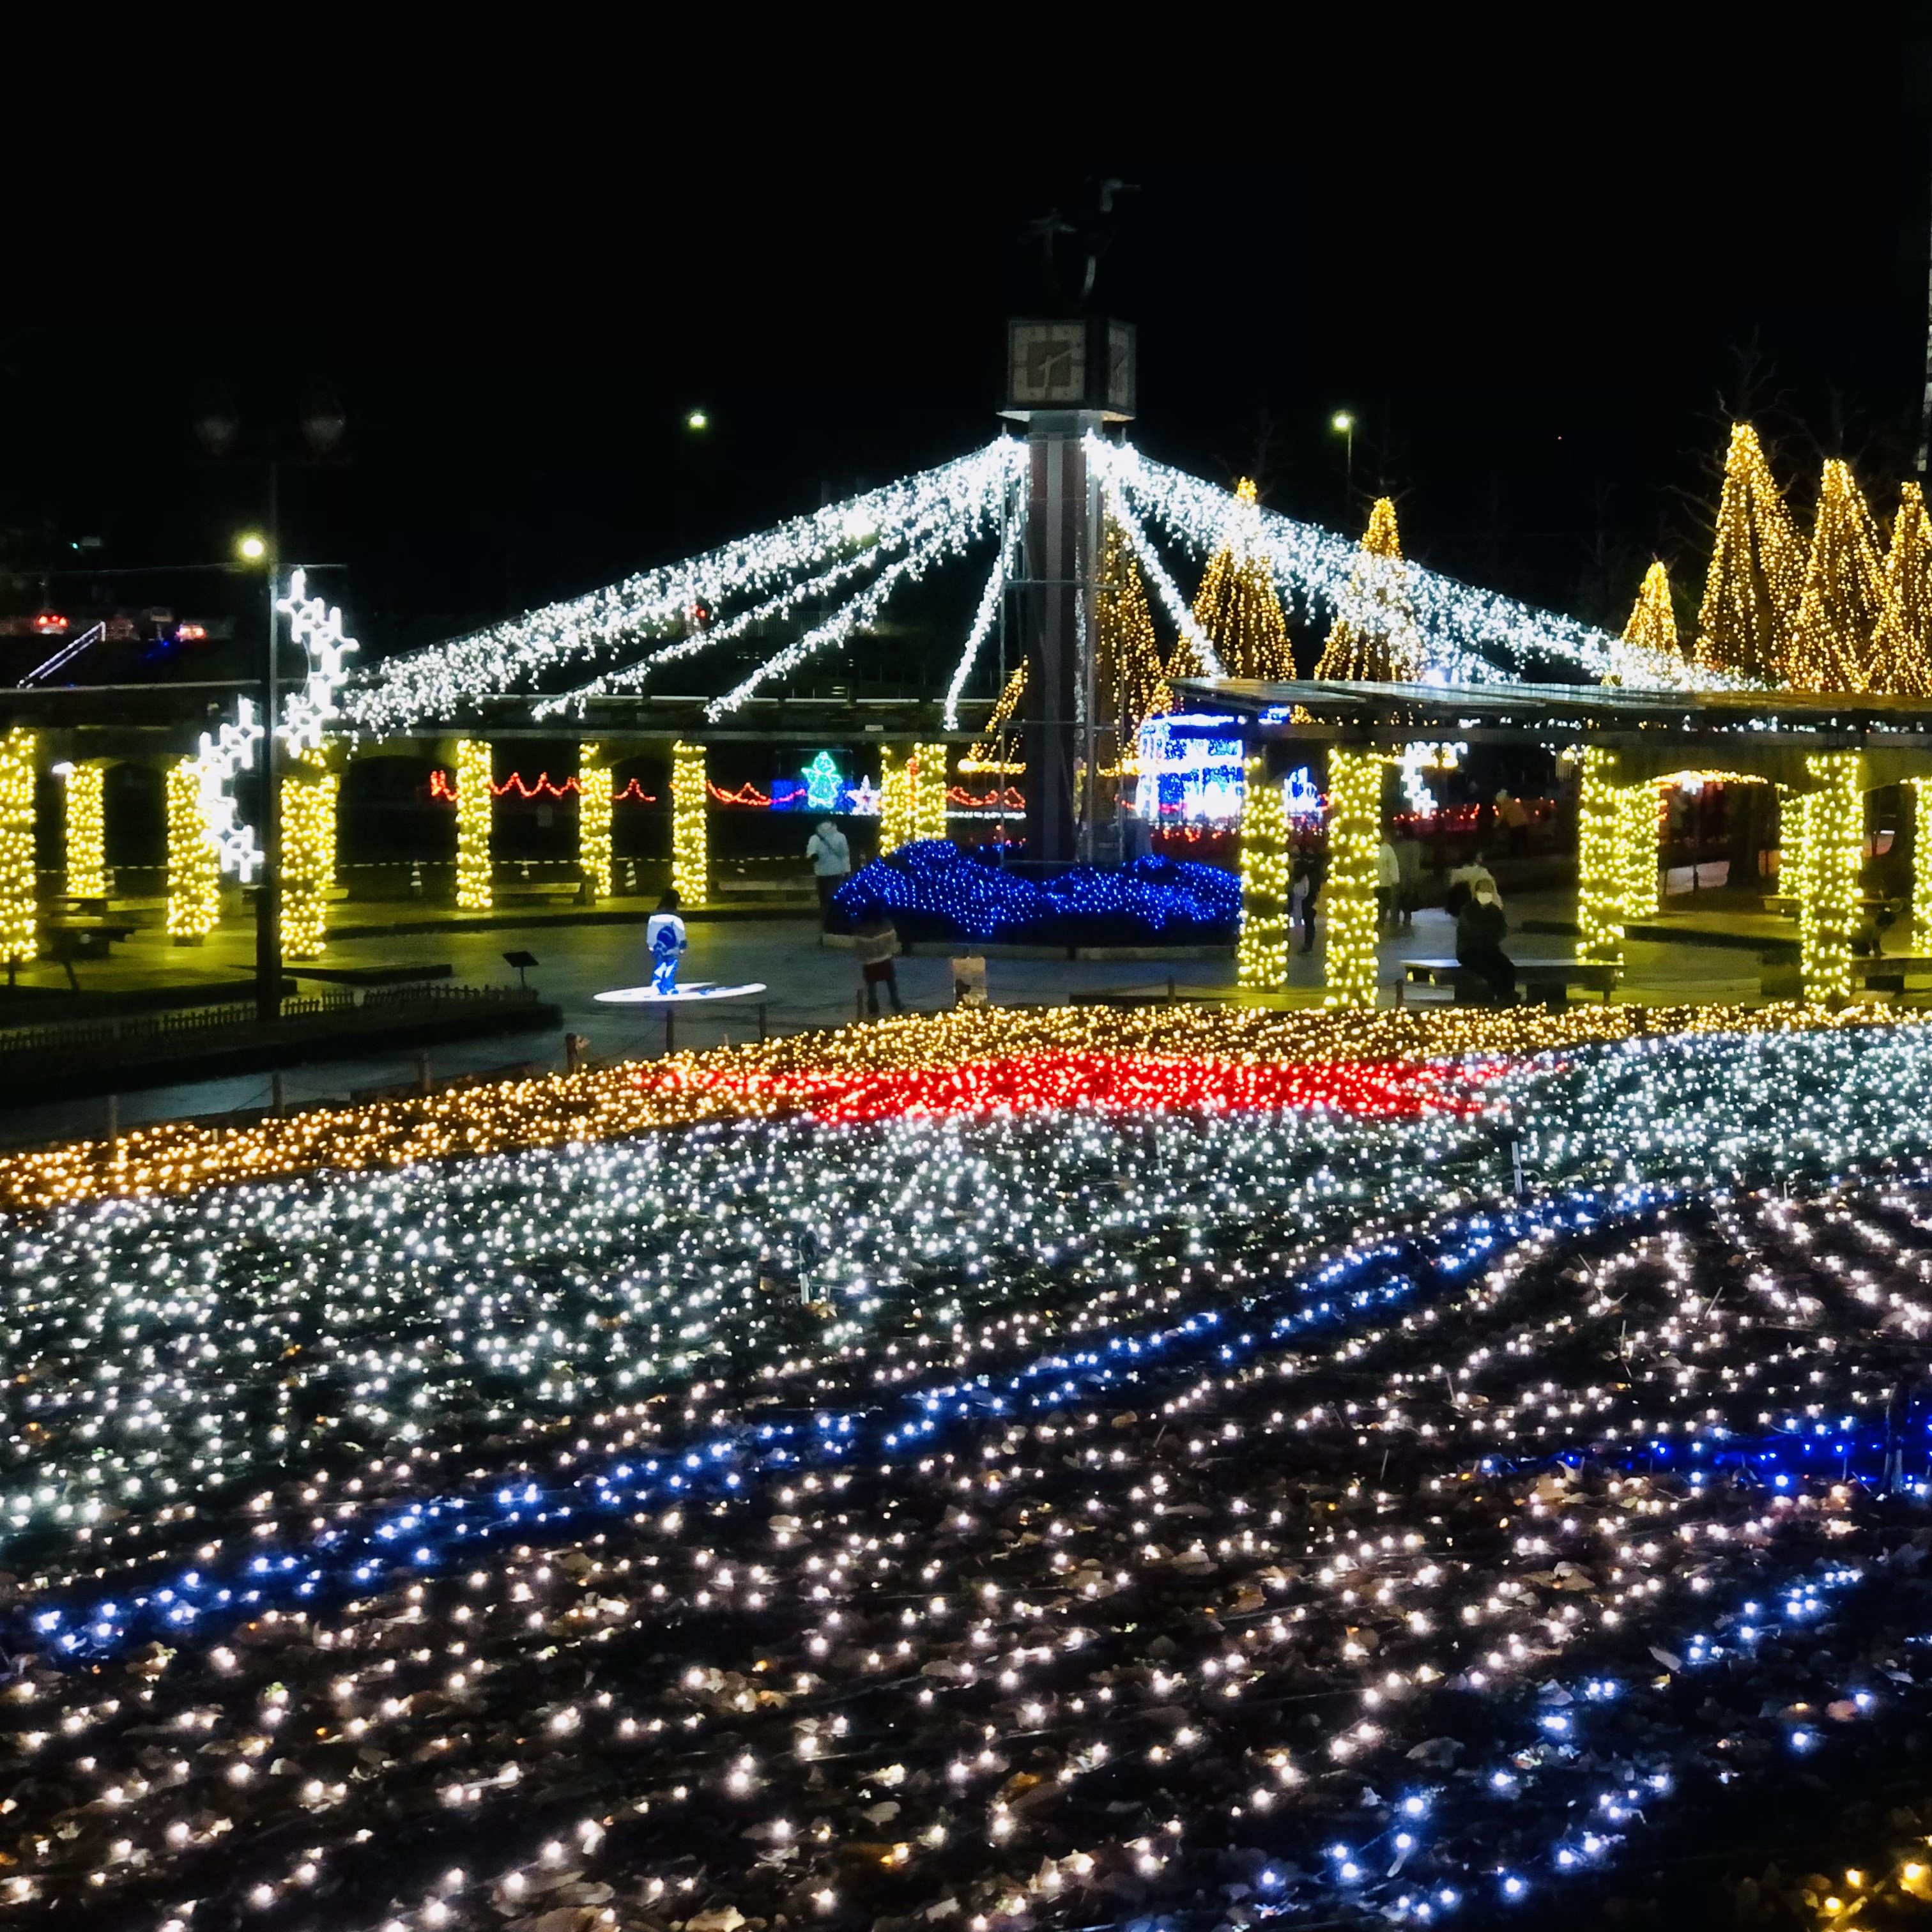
x=665, y=937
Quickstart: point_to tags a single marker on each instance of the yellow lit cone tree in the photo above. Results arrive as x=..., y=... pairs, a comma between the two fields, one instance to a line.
x=1756, y=576
x=1374, y=635
x=1901, y=652
x=1844, y=595
x=1237, y=605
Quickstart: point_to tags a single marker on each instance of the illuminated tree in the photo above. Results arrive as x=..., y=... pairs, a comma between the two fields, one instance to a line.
x=1374, y=636
x=17, y=917
x=992, y=751
x=594, y=802
x=1901, y=651
x=1130, y=684
x=1653, y=623
x=1237, y=605
x=1844, y=592
x=1757, y=570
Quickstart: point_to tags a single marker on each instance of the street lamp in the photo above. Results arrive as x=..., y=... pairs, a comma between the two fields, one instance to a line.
x=1343, y=424
x=251, y=549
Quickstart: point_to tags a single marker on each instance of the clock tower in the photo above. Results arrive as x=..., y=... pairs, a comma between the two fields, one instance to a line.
x=1067, y=378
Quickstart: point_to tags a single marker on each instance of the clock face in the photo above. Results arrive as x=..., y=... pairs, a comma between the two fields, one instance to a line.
x=1047, y=363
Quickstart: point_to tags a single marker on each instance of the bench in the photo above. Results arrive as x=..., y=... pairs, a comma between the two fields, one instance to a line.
x=67, y=939
x=1544, y=982
x=1888, y=972
x=1784, y=905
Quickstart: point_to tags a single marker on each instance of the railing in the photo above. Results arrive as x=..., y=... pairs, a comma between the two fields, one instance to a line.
x=137, y=1028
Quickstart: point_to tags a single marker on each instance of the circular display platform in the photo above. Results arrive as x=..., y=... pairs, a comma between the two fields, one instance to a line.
x=699, y=992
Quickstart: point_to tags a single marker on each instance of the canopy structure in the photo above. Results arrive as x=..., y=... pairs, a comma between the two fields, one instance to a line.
x=1824, y=752
x=1765, y=733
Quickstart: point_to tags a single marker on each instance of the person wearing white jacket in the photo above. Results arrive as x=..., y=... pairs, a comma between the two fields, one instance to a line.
x=831, y=858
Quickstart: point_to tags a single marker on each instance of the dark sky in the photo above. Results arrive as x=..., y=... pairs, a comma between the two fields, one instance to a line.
x=1528, y=268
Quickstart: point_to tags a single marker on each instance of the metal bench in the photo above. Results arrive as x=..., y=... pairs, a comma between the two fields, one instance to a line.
x=1544, y=982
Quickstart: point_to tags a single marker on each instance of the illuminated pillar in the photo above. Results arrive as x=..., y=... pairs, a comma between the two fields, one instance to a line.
x=308, y=861
x=690, y=843
x=17, y=923
x=593, y=818
x=1599, y=867
x=896, y=810
x=86, y=831
x=928, y=768
x=1640, y=838
x=473, y=825
x=194, y=867
x=1831, y=838
x=1921, y=861
x=1355, y=837
x=1261, y=957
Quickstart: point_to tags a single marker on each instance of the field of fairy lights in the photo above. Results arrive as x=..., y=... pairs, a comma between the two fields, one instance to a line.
x=1170, y=1469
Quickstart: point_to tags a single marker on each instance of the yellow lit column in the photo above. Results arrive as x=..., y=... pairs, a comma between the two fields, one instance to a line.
x=473, y=799
x=17, y=920
x=690, y=842
x=593, y=818
x=308, y=860
x=1599, y=868
x=1832, y=836
x=1921, y=861
x=928, y=791
x=896, y=812
x=86, y=831
x=1355, y=836
x=1639, y=828
x=1261, y=958
x=194, y=867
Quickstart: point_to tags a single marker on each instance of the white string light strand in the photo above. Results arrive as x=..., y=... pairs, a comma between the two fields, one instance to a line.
x=843, y=622
x=1101, y=453
x=1460, y=626
x=437, y=682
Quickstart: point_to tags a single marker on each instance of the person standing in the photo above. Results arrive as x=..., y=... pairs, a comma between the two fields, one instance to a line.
x=1315, y=873
x=1388, y=880
x=1408, y=882
x=831, y=858
x=877, y=943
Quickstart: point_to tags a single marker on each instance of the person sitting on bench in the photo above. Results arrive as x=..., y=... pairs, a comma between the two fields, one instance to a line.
x=1480, y=927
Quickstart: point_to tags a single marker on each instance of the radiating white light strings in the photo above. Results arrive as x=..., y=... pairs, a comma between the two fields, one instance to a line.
x=438, y=683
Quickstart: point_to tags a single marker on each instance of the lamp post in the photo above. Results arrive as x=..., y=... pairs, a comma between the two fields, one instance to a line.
x=261, y=549
x=219, y=428
x=1343, y=424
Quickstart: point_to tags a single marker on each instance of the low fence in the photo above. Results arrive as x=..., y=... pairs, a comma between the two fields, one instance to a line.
x=376, y=1006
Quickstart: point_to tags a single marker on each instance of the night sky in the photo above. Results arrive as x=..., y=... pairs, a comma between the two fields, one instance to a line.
x=1535, y=282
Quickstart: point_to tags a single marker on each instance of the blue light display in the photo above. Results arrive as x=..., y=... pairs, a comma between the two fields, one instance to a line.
x=933, y=890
